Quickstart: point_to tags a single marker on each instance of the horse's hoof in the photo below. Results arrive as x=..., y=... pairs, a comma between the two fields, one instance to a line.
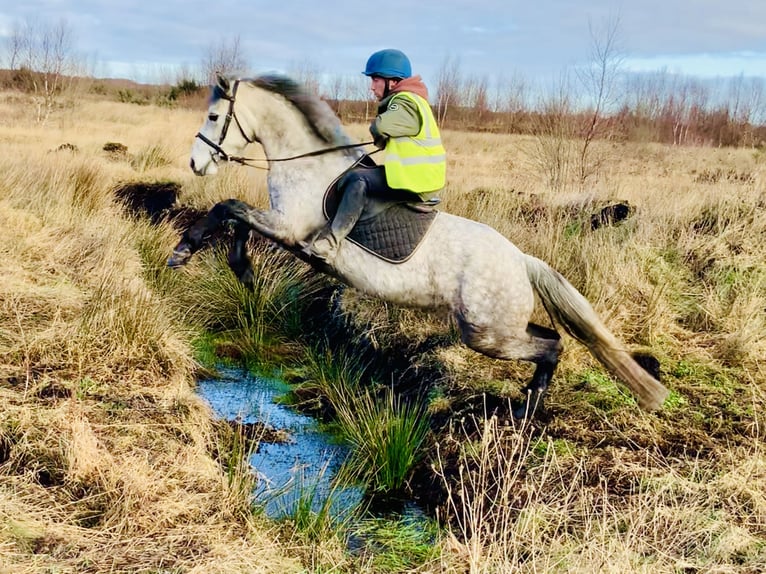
x=180, y=257
x=532, y=405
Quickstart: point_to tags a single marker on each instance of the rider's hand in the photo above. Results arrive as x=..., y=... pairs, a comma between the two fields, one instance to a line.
x=380, y=141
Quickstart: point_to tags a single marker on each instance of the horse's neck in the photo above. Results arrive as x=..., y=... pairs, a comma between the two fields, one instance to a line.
x=296, y=187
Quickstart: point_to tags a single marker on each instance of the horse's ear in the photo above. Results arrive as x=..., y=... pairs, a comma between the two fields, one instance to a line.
x=223, y=82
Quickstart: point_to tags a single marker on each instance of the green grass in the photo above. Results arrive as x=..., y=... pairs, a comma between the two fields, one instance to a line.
x=602, y=392
x=386, y=433
x=398, y=545
x=313, y=513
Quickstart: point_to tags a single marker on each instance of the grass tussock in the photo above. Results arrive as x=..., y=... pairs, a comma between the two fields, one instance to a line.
x=258, y=324
x=385, y=431
x=386, y=435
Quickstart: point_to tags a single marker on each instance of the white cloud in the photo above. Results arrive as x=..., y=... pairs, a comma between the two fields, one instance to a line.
x=488, y=37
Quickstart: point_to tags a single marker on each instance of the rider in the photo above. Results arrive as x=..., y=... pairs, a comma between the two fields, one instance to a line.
x=415, y=164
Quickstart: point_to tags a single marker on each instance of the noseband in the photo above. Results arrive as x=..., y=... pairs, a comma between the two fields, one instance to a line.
x=220, y=153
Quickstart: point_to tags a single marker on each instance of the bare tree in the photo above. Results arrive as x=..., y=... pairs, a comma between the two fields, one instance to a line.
x=554, y=147
x=599, y=81
x=308, y=74
x=512, y=99
x=753, y=109
x=224, y=57
x=448, y=86
x=477, y=97
x=43, y=59
x=359, y=89
x=15, y=45
x=333, y=92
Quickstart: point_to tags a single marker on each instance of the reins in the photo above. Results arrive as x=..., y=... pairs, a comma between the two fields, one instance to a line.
x=245, y=160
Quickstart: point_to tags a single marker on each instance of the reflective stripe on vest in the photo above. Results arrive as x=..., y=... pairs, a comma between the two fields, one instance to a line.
x=417, y=163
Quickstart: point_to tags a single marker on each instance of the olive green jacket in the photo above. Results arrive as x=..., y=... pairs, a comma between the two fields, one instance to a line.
x=398, y=117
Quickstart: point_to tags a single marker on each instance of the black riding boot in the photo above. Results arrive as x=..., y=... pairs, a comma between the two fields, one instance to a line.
x=326, y=242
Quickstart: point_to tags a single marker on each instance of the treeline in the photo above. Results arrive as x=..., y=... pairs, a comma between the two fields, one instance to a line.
x=659, y=107
x=696, y=126
x=598, y=101
x=670, y=118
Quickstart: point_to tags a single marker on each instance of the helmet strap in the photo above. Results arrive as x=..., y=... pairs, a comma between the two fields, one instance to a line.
x=387, y=90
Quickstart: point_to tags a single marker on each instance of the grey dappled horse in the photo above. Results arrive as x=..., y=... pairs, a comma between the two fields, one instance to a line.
x=467, y=267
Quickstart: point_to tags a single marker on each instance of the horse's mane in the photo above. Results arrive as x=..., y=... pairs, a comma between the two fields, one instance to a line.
x=318, y=113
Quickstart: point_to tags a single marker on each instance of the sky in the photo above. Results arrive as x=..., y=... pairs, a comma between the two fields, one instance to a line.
x=533, y=39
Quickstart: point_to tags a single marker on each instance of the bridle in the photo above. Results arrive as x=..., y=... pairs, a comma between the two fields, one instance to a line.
x=230, y=114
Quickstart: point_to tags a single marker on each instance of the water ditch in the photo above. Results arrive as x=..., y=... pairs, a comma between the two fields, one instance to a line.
x=299, y=468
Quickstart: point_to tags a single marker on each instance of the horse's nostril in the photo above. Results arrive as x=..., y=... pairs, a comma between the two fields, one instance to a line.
x=191, y=163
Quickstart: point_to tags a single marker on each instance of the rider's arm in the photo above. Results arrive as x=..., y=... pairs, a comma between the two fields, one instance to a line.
x=400, y=118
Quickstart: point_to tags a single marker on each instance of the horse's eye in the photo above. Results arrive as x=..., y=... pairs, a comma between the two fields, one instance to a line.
x=212, y=117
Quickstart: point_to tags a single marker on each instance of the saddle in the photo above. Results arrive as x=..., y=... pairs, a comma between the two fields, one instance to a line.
x=390, y=229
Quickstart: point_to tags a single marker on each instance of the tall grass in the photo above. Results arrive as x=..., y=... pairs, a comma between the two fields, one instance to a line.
x=528, y=504
x=386, y=431
x=106, y=454
x=387, y=435
x=262, y=322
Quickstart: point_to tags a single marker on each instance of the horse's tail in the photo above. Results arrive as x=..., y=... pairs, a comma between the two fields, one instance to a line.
x=574, y=313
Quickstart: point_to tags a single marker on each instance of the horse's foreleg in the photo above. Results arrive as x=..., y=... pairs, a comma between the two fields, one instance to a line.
x=269, y=224
x=193, y=239
x=238, y=259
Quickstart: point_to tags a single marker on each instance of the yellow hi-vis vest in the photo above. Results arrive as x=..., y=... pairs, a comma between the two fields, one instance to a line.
x=417, y=163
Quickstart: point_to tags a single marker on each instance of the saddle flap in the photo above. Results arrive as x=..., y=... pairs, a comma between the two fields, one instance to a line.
x=332, y=195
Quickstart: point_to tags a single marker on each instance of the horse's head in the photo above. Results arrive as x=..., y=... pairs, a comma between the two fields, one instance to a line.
x=216, y=140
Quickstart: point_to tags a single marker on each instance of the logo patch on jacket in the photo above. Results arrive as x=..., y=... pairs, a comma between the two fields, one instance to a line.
x=393, y=106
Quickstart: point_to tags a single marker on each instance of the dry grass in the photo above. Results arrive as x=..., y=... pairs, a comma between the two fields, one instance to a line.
x=530, y=505
x=107, y=457
x=105, y=450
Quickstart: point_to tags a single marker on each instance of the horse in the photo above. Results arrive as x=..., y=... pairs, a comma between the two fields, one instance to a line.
x=466, y=267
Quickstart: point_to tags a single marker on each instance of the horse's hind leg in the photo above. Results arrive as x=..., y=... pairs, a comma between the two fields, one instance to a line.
x=543, y=374
x=537, y=344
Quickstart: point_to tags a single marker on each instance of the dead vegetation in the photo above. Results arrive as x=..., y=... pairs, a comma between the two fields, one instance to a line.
x=110, y=463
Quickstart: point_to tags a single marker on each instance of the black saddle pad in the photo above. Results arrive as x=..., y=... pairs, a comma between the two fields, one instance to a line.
x=395, y=233
x=391, y=230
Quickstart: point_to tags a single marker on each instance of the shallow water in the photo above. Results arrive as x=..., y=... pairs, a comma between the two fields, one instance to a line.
x=299, y=471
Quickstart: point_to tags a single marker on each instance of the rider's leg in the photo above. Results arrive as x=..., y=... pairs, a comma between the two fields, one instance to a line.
x=355, y=187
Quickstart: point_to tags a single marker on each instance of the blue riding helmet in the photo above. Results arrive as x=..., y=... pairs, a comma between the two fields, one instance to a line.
x=388, y=63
